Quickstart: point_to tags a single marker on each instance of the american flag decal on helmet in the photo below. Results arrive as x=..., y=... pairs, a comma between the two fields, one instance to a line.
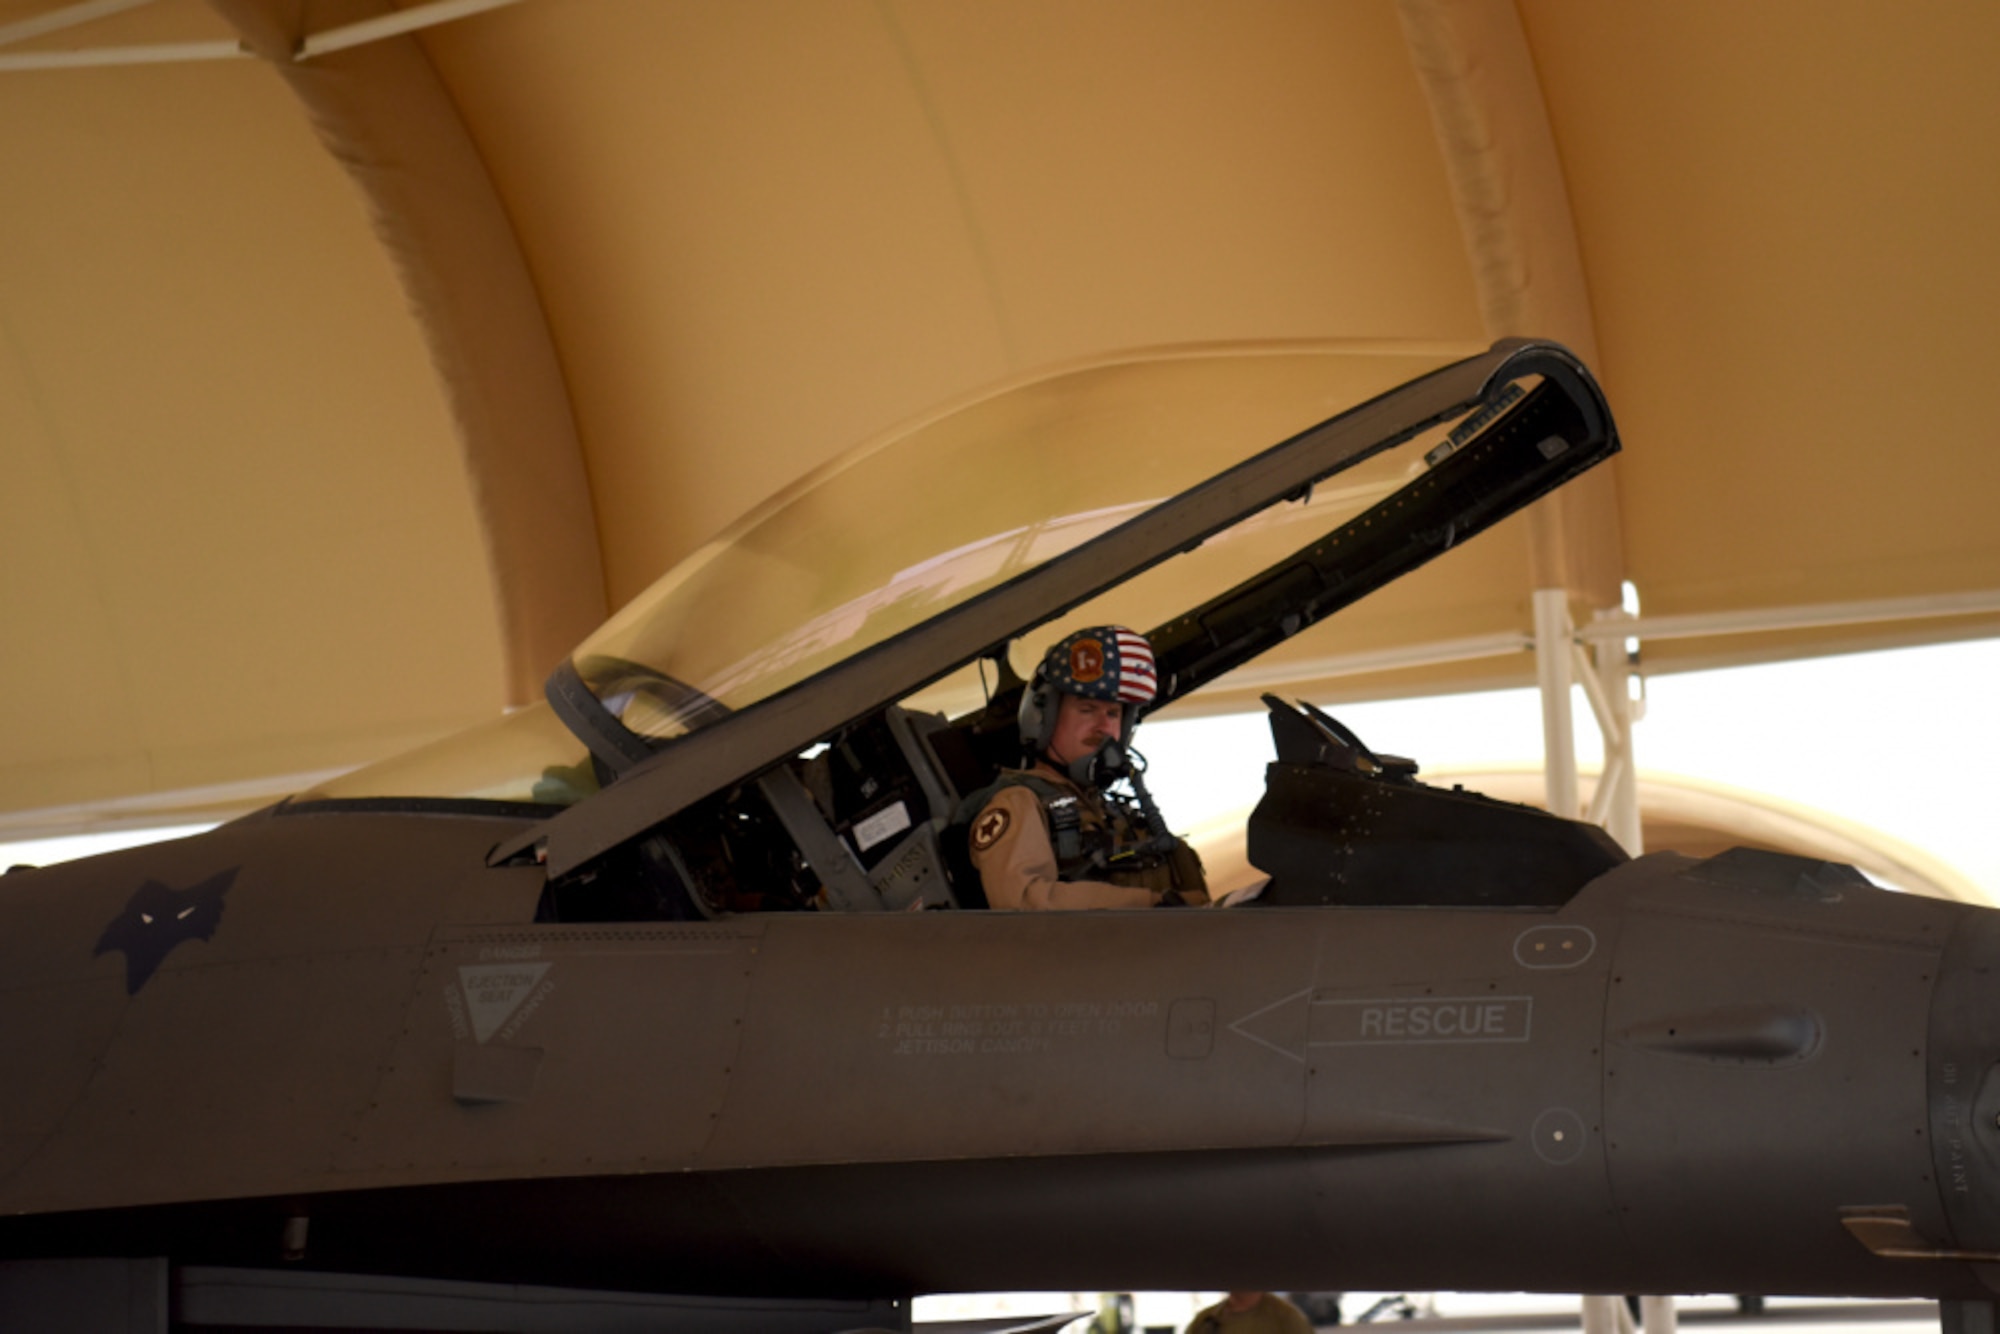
x=1138, y=682
x=1105, y=662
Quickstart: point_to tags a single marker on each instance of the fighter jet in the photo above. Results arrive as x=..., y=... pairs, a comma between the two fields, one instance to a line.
x=679, y=984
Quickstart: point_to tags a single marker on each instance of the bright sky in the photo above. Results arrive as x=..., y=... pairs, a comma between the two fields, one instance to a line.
x=1900, y=741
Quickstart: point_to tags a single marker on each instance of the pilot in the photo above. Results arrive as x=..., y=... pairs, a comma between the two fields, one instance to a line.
x=1054, y=835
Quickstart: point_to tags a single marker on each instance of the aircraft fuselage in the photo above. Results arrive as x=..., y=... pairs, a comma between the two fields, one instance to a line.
x=1682, y=1080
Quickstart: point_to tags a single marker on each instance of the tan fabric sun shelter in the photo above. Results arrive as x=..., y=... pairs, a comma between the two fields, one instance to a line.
x=344, y=386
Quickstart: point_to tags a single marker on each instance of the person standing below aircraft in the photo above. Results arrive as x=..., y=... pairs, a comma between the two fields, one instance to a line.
x=1054, y=835
x=1251, y=1313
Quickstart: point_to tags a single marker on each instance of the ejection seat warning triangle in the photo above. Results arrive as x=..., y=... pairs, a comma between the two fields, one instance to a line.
x=493, y=991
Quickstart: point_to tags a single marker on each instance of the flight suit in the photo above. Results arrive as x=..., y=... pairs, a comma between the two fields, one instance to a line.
x=1013, y=845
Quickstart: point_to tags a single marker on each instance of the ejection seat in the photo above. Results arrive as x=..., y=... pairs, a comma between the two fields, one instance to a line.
x=873, y=814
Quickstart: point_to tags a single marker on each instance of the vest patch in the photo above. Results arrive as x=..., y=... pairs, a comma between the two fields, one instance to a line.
x=989, y=827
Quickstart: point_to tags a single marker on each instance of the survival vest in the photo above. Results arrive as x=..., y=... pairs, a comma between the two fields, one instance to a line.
x=1098, y=836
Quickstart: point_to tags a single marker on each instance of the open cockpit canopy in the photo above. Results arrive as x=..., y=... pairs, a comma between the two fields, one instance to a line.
x=1220, y=499
x=928, y=519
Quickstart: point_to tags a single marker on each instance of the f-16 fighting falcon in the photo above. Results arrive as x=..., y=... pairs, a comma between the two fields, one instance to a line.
x=684, y=986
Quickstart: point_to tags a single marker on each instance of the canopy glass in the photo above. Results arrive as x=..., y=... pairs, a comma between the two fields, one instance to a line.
x=926, y=518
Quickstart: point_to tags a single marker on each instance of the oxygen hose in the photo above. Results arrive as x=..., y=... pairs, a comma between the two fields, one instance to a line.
x=1111, y=762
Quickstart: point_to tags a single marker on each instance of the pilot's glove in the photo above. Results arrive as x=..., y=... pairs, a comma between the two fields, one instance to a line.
x=1189, y=878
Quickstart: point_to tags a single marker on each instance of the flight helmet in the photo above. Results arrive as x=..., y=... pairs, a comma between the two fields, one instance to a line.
x=1106, y=662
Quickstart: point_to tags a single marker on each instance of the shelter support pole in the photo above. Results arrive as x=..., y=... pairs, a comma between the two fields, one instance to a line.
x=387, y=116
x=1553, y=670
x=1656, y=1314
x=1560, y=661
x=1608, y=681
x=1605, y=1315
